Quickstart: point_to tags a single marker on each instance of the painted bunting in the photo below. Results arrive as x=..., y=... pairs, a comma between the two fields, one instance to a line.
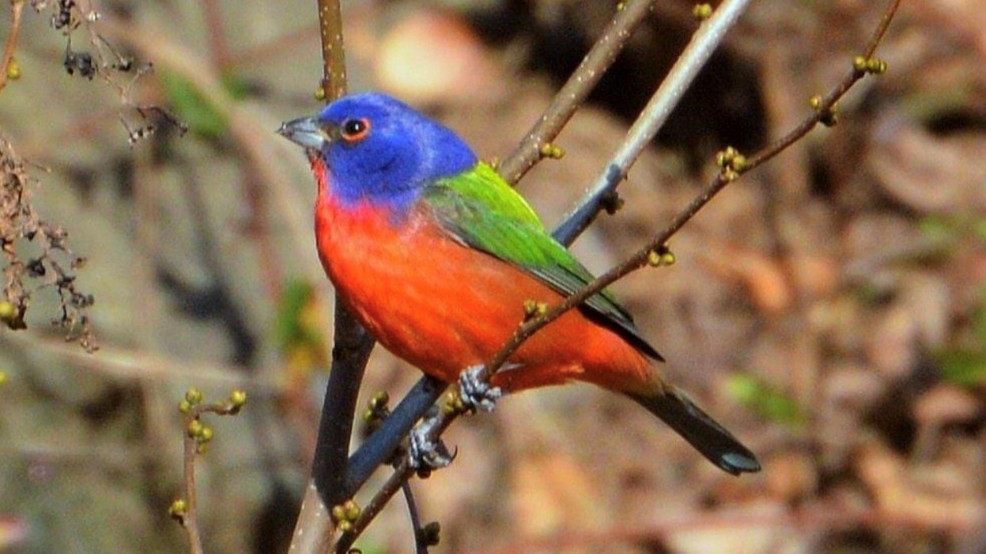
x=437, y=256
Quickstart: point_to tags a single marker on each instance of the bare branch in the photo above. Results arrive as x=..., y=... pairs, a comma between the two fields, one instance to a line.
x=576, y=89
x=698, y=51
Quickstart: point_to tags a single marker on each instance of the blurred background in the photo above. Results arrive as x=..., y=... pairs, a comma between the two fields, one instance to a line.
x=829, y=308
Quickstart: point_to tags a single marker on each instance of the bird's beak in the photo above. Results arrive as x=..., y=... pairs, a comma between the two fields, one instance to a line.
x=305, y=131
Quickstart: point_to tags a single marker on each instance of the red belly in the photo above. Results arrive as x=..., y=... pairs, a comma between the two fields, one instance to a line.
x=443, y=307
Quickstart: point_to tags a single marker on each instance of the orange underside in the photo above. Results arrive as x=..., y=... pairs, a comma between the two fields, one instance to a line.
x=444, y=307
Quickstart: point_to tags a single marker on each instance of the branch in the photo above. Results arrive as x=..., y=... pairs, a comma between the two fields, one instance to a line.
x=381, y=445
x=333, y=52
x=576, y=89
x=703, y=43
x=196, y=441
x=16, y=8
x=351, y=350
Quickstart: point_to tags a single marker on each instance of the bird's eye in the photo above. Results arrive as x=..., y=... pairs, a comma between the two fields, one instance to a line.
x=354, y=130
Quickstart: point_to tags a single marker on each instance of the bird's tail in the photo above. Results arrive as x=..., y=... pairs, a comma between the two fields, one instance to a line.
x=700, y=430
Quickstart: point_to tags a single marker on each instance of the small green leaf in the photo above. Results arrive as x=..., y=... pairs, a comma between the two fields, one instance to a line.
x=191, y=106
x=766, y=400
x=963, y=367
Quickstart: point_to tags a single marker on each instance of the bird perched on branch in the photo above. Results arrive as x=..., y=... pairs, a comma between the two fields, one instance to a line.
x=438, y=256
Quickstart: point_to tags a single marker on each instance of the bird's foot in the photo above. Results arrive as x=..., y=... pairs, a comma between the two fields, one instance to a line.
x=425, y=454
x=476, y=393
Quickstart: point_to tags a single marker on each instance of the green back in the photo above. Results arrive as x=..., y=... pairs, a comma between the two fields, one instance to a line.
x=479, y=209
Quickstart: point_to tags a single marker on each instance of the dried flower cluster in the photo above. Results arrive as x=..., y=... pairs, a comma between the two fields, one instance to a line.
x=35, y=256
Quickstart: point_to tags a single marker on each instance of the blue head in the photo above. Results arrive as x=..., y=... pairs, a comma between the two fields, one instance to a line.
x=379, y=149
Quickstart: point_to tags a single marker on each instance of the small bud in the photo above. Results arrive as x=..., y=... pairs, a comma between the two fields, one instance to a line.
x=553, y=151
x=430, y=534
x=13, y=70
x=194, y=396
x=380, y=400
x=352, y=510
x=178, y=509
x=320, y=94
x=184, y=406
x=653, y=258
x=201, y=448
x=612, y=203
x=452, y=403
x=193, y=428
x=859, y=63
x=725, y=157
x=739, y=162
x=876, y=66
x=338, y=513
x=7, y=310
x=205, y=434
x=668, y=258
x=3, y=378
x=345, y=526
x=702, y=12
x=238, y=398
x=815, y=102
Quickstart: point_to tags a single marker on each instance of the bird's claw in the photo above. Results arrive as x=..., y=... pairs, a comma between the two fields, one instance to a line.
x=425, y=454
x=476, y=393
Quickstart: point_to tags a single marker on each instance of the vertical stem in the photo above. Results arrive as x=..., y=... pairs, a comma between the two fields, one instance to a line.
x=333, y=52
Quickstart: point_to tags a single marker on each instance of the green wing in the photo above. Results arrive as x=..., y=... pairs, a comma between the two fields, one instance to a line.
x=479, y=209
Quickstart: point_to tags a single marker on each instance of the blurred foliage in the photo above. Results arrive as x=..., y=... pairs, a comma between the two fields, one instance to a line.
x=192, y=107
x=963, y=367
x=297, y=324
x=766, y=400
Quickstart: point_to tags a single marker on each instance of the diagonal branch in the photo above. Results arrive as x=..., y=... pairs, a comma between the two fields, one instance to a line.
x=576, y=89
x=694, y=57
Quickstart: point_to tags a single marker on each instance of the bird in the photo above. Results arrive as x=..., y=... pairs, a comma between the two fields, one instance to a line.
x=437, y=256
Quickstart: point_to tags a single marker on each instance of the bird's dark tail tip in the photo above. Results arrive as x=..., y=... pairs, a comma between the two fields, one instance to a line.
x=701, y=431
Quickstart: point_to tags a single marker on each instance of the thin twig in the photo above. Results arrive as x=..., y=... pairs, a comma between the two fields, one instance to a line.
x=381, y=445
x=16, y=8
x=694, y=57
x=576, y=89
x=196, y=440
x=401, y=474
x=420, y=544
x=636, y=261
x=190, y=519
